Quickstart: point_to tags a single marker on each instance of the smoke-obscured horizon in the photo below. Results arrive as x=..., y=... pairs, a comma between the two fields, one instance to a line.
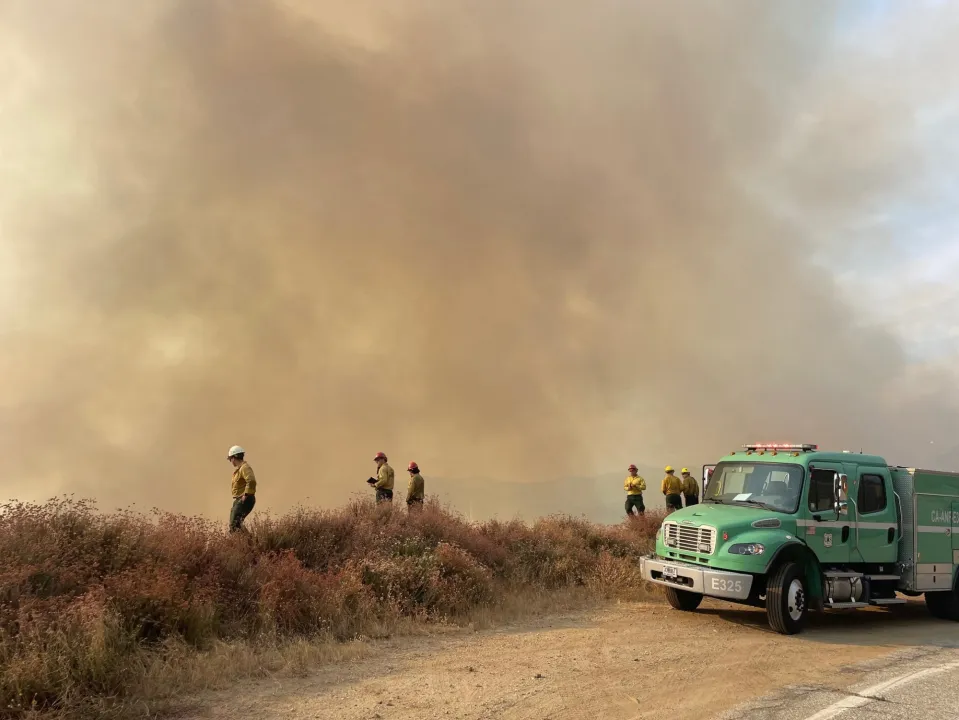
x=512, y=240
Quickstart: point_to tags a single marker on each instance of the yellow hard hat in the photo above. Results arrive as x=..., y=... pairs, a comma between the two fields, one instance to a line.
x=669, y=468
x=685, y=471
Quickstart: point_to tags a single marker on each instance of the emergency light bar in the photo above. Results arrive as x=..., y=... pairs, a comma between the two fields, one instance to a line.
x=802, y=447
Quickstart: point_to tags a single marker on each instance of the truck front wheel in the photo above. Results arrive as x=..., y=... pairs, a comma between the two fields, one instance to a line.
x=683, y=599
x=943, y=605
x=787, y=600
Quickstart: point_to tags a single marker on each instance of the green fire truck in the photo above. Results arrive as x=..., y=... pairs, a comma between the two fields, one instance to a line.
x=792, y=528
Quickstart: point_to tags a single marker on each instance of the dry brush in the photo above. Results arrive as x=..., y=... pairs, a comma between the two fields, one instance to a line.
x=91, y=604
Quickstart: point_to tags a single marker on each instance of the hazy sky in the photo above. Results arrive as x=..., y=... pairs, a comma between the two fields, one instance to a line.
x=901, y=260
x=519, y=240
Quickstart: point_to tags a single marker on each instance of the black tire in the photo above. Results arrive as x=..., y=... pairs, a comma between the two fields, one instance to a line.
x=683, y=599
x=787, y=599
x=943, y=605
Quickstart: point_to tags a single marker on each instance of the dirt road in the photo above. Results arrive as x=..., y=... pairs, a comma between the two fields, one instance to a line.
x=631, y=661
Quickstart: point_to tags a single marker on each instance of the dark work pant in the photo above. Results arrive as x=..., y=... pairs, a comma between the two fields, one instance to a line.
x=241, y=508
x=635, y=501
x=691, y=500
x=384, y=495
x=415, y=504
x=674, y=501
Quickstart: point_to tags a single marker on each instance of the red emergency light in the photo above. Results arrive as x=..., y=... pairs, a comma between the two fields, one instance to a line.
x=801, y=447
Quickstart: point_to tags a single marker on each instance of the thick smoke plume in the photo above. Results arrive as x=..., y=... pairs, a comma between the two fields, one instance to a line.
x=521, y=241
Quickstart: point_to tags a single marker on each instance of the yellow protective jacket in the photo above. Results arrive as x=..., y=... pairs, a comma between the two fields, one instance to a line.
x=634, y=485
x=244, y=481
x=690, y=486
x=672, y=485
x=416, y=489
x=384, y=477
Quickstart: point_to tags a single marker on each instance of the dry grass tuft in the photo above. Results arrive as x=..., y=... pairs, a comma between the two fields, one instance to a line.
x=101, y=615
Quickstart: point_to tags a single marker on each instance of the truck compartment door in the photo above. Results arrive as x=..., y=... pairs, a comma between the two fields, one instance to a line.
x=955, y=533
x=936, y=542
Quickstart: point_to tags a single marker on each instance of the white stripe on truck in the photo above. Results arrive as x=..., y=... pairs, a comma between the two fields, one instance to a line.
x=844, y=523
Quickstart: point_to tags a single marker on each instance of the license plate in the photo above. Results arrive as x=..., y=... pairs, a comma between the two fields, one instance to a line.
x=669, y=572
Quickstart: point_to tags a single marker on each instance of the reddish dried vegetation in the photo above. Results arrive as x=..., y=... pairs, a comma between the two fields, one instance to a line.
x=87, y=599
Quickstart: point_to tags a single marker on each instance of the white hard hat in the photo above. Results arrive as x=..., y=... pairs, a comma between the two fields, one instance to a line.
x=235, y=450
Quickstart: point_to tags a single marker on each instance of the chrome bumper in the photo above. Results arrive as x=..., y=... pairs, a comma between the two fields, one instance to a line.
x=705, y=581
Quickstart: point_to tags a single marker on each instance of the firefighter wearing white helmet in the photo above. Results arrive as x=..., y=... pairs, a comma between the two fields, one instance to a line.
x=244, y=487
x=690, y=488
x=672, y=488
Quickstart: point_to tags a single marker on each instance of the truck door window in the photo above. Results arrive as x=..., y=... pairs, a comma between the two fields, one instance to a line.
x=872, y=494
x=820, y=491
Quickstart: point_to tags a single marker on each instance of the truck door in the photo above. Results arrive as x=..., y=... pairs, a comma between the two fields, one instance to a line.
x=707, y=473
x=876, y=522
x=827, y=533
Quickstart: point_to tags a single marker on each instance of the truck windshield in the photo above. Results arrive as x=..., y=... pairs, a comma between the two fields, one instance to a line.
x=774, y=486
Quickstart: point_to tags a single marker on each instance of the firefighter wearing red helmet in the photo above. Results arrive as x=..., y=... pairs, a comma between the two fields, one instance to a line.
x=635, y=485
x=415, y=492
x=384, y=479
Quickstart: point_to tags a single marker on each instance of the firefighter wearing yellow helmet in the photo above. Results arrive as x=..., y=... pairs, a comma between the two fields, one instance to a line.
x=690, y=488
x=672, y=488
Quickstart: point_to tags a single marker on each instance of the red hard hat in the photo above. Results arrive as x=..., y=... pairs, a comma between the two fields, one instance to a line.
x=379, y=456
x=413, y=467
x=632, y=467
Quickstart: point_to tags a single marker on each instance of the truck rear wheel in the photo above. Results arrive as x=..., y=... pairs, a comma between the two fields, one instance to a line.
x=683, y=599
x=787, y=603
x=943, y=605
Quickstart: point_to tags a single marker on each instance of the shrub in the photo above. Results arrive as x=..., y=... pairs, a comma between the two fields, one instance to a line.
x=85, y=597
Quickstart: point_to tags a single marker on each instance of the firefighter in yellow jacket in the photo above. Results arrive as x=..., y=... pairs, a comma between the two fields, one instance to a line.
x=690, y=488
x=243, y=487
x=384, y=479
x=416, y=491
x=635, y=485
x=672, y=488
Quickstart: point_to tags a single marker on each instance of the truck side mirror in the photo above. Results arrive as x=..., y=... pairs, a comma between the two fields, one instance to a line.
x=840, y=490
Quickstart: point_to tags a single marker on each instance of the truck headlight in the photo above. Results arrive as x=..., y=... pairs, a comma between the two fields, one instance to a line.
x=747, y=549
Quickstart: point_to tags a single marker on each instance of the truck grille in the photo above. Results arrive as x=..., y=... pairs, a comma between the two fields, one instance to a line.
x=700, y=540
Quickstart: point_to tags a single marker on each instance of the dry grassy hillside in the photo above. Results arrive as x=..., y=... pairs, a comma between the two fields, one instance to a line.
x=104, y=612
